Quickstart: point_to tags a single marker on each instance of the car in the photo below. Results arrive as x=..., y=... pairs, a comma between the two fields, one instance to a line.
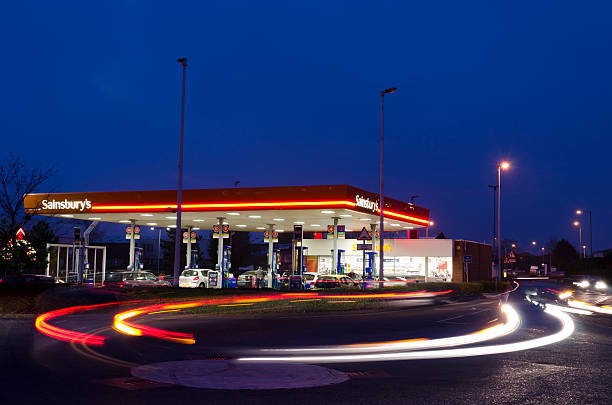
x=395, y=281
x=310, y=279
x=134, y=279
x=248, y=279
x=335, y=281
x=592, y=283
x=194, y=278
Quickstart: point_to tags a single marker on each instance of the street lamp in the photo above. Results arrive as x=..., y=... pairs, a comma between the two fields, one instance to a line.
x=580, y=212
x=500, y=166
x=513, y=245
x=430, y=223
x=579, y=225
x=382, y=182
x=179, y=196
x=583, y=250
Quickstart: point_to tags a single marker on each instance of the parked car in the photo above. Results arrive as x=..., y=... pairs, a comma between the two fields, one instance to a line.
x=194, y=278
x=134, y=279
x=335, y=281
x=395, y=281
x=247, y=279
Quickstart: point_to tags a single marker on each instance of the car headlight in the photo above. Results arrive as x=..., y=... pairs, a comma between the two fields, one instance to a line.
x=600, y=285
x=583, y=284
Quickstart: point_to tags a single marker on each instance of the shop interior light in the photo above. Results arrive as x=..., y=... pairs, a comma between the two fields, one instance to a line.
x=254, y=216
x=278, y=219
x=146, y=215
x=233, y=213
x=241, y=226
x=315, y=225
x=261, y=227
x=345, y=215
x=170, y=217
x=124, y=221
x=280, y=230
x=198, y=220
x=299, y=222
x=152, y=223
x=328, y=212
x=364, y=219
x=94, y=218
x=395, y=224
x=171, y=226
x=196, y=229
x=67, y=215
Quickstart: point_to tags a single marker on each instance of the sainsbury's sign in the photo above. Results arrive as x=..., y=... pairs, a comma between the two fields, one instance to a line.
x=66, y=205
x=365, y=202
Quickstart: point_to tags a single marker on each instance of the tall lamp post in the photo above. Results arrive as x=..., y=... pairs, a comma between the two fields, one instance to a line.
x=580, y=212
x=179, y=196
x=502, y=165
x=381, y=247
x=494, y=188
x=579, y=225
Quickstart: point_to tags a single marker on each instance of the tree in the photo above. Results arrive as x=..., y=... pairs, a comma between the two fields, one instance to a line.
x=17, y=180
x=40, y=234
x=564, y=254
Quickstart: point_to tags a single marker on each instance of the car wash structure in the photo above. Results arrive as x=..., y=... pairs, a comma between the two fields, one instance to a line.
x=333, y=210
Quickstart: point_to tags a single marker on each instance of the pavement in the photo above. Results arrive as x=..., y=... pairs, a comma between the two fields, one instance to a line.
x=37, y=369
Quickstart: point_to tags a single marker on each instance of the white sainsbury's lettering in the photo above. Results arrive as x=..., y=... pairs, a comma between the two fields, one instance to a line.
x=366, y=203
x=66, y=205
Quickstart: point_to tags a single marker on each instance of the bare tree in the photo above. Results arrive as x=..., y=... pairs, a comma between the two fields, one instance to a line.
x=17, y=180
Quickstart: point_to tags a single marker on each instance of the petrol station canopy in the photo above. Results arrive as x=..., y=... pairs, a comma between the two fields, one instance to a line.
x=243, y=209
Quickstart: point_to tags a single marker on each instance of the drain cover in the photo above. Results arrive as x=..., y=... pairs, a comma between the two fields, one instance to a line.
x=230, y=375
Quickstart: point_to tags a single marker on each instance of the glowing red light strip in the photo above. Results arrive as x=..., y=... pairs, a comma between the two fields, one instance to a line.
x=42, y=325
x=212, y=206
x=248, y=205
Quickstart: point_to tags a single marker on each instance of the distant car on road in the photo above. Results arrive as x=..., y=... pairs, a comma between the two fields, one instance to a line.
x=194, y=278
x=134, y=279
x=591, y=283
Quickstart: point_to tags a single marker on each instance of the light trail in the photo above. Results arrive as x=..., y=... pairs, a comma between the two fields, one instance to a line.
x=123, y=321
x=589, y=307
x=566, y=331
x=493, y=332
x=42, y=325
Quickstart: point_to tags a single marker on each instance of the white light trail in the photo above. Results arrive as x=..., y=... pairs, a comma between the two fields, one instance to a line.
x=512, y=323
x=589, y=307
x=566, y=330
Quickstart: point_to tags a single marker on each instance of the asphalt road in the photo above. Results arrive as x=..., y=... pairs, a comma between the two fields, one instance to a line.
x=36, y=369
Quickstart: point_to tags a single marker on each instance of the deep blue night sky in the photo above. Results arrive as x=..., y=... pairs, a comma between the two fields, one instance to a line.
x=287, y=93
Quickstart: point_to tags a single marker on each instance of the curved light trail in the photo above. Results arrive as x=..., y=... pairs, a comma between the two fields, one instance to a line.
x=566, y=330
x=493, y=332
x=123, y=321
x=42, y=324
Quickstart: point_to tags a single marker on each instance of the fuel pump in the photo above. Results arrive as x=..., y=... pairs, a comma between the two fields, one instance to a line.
x=370, y=268
x=340, y=262
x=227, y=264
x=194, y=258
x=138, y=265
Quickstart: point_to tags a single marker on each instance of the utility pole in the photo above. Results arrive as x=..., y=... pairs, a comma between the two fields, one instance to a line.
x=179, y=197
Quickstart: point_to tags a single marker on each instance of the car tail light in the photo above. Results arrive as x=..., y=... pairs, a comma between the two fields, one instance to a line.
x=196, y=278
